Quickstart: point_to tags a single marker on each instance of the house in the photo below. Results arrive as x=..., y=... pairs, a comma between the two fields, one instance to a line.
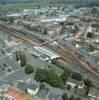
x=55, y=97
x=6, y=97
x=13, y=94
x=43, y=95
x=29, y=88
x=47, y=95
x=89, y=29
x=32, y=89
x=73, y=83
x=93, y=94
x=8, y=51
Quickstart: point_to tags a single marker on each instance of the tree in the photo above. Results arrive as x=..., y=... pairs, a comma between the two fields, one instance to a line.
x=65, y=96
x=42, y=86
x=11, y=20
x=88, y=83
x=78, y=98
x=29, y=69
x=65, y=75
x=50, y=77
x=9, y=70
x=90, y=35
x=75, y=88
x=5, y=65
x=72, y=97
x=76, y=28
x=77, y=76
x=60, y=65
x=22, y=58
x=92, y=47
x=94, y=11
x=17, y=56
x=45, y=31
x=77, y=6
x=68, y=87
x=27, y=26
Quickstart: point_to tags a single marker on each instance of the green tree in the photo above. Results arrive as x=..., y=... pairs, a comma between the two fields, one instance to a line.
x=22, y=59
x=78, y=98
x=77, y=76
x=90, y=35
x=42, y=86
x=72, y=97
x=45, y=31
x=11, y=20
x=27, y=26
x=5, y=65
x=68, y=87
x=65, y=75
x=60, y=65
x=88, y=83
x=76, y=28
x=29, y=69
x=65, y=96
x=17, y=56
x=50, y=77
x=92, y=47
x=94, y=11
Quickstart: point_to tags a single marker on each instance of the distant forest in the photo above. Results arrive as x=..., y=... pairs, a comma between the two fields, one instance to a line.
x=82, y=2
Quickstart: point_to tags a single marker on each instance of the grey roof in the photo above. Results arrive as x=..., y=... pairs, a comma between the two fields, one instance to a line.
x=2, y=61
x=47, y=95
x=8, y=50
x=42, y=95
x=55, y=97
x=23, y=86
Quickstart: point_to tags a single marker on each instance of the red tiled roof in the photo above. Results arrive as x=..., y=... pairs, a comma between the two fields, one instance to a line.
x=18, y=95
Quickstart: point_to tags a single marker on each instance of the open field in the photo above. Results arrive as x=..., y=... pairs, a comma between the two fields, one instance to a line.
x=32, y=5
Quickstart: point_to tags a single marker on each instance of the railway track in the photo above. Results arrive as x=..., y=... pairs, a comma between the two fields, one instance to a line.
x=85, y=66
x=67, y=54
x=19, y=35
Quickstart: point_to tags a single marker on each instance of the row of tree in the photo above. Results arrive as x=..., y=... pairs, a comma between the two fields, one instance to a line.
x=69, y=74
x=50, y=77
x=20, y=56
x=65, y=97
x=37, y=28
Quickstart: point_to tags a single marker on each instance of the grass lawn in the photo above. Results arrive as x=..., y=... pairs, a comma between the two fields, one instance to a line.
x=81, y=92
x=31, y=5
x=21, y=5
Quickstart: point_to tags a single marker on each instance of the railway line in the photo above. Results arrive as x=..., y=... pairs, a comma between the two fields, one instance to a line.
x=19, y=35
x=68, y=56
x=66, y=53
x=84, y=65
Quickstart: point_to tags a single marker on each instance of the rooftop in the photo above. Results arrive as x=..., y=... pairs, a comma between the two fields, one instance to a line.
x=94, y=93
x=18, y=95
x=23, y=86
x=45, y=52
x=47, y=95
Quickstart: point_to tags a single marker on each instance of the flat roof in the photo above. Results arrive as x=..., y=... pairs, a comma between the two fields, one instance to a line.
x=46, y=52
